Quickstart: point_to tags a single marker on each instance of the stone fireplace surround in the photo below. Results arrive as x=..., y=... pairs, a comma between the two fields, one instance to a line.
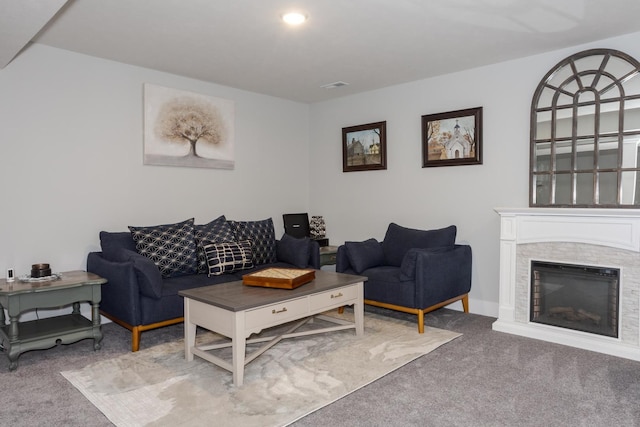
x=598, y=237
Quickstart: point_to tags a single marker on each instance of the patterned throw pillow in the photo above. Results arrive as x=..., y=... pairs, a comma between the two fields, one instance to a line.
x=172, y=247
x=262, y=236
x=228, y=257
x=216, y=231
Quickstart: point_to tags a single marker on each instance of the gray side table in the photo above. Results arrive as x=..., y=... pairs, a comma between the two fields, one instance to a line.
x=72, y=288
x=328, y=255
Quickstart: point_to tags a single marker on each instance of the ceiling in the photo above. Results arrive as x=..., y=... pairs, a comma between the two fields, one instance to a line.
x=369, y=44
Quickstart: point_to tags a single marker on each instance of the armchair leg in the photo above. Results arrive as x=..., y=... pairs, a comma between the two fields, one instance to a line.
x=420, y=312
x=465, y=303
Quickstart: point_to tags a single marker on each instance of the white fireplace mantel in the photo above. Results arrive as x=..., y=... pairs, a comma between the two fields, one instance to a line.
x=610, y=229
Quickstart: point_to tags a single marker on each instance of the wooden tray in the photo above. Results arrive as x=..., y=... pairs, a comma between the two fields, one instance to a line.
x=282, y=278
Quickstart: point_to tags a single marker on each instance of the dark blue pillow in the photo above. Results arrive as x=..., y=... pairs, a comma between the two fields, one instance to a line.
x=363, y=255
x=113, y=243
x=147, y=273
x=293, y=251
x=398, y=240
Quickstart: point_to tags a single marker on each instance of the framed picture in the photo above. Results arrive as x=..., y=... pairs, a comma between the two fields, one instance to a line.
x=453, y=138
x=187, y=129
x=364, y=147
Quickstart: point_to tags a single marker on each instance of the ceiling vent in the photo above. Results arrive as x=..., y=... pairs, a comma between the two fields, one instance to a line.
x=334, y=85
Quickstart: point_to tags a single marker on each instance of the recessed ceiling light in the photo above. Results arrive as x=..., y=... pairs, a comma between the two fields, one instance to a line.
x=294, y=18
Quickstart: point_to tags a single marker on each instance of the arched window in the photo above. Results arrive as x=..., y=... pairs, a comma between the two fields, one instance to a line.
x=585, y=133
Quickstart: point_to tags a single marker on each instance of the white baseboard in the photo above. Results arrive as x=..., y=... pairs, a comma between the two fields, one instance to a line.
x=484, y=308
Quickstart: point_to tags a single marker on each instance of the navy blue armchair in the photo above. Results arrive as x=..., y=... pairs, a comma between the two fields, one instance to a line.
x=413, y=271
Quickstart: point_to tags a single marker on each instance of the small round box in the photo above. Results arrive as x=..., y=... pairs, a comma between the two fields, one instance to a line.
x=40, y=270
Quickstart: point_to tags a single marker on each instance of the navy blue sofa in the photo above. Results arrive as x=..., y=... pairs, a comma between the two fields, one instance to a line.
x=413, y=271
x=141, y=294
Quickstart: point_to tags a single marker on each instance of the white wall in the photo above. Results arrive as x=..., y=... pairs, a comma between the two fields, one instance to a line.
x=71, y=130
x=359, y=205
x=71, y=152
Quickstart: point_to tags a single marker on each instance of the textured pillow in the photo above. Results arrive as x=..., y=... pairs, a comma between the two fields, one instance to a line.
x=363, y=255
x=228, y=257
x=216, y=231
x=262, y=236
x=293, y=251
x=398, y=240
x=172, y=247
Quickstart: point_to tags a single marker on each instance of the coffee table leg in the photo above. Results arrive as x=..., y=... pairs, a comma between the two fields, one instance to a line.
x=358, y=310
x=238, y=349
x=189, y=332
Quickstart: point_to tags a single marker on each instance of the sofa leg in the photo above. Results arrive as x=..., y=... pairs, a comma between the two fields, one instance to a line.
x=465, y=303
x=135, y=338
x=421, y=321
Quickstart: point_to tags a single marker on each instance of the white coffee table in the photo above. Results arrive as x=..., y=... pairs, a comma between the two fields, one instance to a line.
x=237, y=311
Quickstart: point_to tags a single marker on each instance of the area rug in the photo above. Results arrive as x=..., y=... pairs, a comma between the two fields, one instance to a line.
x=157, y=387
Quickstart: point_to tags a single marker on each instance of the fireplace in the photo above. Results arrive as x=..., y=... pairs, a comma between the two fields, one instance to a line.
x=571, y=276
x=578, y=297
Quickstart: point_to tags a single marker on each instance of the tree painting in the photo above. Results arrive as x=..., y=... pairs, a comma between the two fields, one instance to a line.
x=190, y=120
x=187, y=129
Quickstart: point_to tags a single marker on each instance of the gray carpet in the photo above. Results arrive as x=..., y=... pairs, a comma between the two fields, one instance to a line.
x=483, y=378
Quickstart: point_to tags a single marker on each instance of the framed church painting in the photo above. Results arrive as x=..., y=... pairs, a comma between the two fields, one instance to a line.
x=453, y=138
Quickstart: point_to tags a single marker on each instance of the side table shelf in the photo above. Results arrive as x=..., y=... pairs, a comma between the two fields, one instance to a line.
x=72, y=288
